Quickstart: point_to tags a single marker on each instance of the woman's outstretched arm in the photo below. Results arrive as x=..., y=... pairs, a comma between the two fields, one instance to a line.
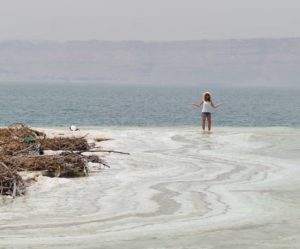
x=198, y=105
x=214, y=106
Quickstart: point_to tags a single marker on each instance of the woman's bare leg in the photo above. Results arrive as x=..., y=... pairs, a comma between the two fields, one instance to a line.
x=203, y=121
x=209, y=122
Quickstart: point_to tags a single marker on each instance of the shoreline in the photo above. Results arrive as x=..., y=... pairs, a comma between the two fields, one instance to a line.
x=171, y=126
x=121, y=127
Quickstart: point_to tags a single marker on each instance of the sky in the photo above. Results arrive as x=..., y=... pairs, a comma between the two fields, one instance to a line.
x=148, y=20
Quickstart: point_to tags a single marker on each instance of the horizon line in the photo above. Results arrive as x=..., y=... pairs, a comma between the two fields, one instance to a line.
x=153, y=41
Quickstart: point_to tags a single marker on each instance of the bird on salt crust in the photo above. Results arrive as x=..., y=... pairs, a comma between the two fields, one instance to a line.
x=73, y=128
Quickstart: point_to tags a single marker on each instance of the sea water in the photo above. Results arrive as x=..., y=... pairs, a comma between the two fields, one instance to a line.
x=99, y=105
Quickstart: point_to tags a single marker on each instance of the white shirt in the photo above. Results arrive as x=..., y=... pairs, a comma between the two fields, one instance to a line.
x=206, y=106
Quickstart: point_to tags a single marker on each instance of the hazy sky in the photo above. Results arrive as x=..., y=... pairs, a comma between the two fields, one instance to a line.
x=148, y=20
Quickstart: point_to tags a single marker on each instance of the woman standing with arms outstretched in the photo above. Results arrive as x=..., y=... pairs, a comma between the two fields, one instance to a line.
x=206, y=109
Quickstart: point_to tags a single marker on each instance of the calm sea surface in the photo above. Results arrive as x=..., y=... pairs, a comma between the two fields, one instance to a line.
x=94, y=105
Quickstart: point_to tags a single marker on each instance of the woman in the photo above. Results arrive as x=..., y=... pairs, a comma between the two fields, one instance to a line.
x=206, y=109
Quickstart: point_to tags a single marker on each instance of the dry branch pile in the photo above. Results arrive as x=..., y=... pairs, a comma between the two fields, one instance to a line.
x=66, y=143
x=11, y=182
x=22, y=149
x=20, y=139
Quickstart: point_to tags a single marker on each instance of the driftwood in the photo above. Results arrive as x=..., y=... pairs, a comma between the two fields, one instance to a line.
x=66, y=143
x=22, y=149
x=11, y=182
x=65, y=165
x=109, y=151
x=101, y=139
x=15, y=139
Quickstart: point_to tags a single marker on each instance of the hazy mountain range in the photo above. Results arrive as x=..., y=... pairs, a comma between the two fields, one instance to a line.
x=237, y=62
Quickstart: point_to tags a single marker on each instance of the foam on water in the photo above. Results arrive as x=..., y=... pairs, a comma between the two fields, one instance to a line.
x=179, y=188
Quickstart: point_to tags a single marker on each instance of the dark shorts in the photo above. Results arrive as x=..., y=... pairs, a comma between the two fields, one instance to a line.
x=207, y=114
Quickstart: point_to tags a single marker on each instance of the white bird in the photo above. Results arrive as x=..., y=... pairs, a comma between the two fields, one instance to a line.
x=73, y=128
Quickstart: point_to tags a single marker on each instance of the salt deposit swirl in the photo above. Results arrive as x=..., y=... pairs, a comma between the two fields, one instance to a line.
x=179, y=188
